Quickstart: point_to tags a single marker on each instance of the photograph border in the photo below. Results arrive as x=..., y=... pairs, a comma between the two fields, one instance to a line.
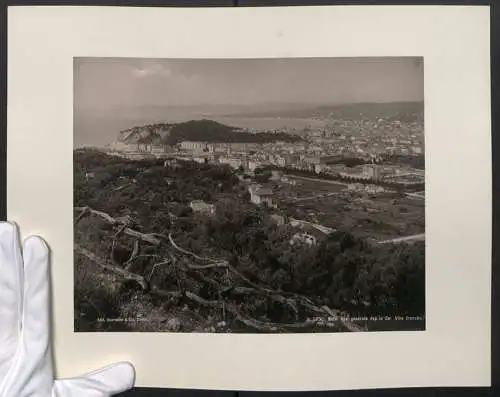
x=495, y=66
x=408, y=88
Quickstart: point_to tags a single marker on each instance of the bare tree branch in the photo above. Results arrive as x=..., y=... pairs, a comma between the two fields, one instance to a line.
x=283, y=297
x=84, y=211
x=215, y=263
x=114, y=269
x=133, y=256
x=128, y=231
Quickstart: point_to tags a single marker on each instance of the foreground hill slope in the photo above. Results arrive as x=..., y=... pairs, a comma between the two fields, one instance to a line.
x=142, y=252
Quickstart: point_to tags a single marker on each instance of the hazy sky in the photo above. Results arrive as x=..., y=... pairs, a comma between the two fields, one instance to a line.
x=111, y=83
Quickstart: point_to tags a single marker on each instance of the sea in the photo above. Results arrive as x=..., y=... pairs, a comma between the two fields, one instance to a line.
x=100, y=128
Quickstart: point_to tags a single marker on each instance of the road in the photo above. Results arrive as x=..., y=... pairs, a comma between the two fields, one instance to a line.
x=321, y=228
x=386, y=190
x=419, y=196
x=415, y=237
x=318, y=180
x=316, y=196
x=406, y=174
x=327, y=230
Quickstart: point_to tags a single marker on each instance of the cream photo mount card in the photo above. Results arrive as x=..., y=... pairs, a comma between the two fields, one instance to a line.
x=259, y=199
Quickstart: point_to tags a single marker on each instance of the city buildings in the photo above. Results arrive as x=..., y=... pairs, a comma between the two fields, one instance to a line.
x=233, y=162
x=194, y=146
x=261, y=196
x=372, y=171
x=322, y=150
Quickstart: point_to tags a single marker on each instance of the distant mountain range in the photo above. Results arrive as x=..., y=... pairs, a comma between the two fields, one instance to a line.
x=202, y=126
x=261, y=109
x=197, y=130
x=403, y=111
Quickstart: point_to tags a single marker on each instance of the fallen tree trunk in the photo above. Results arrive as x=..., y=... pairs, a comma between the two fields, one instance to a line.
x=287, y=298
x=114, y=269
x=84, y=211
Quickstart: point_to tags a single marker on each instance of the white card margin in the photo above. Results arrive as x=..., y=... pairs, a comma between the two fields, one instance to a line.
x=454, y=41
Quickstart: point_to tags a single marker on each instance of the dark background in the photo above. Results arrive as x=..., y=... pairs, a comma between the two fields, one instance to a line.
x=495, y=92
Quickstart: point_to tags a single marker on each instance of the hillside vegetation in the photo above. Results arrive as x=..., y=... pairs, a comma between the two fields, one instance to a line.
x=198, y=130
x=141, y=251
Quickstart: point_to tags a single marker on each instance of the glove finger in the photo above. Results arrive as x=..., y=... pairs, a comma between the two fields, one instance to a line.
x=36, y=318
x=105, y=382
x=11, y=274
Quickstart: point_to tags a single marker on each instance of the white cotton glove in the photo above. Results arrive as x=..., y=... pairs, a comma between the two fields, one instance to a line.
x=25, y=354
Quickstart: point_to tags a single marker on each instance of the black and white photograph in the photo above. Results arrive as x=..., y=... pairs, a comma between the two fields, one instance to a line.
x=272, y=195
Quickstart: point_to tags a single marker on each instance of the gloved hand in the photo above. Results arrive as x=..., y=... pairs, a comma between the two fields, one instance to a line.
x=25, y=354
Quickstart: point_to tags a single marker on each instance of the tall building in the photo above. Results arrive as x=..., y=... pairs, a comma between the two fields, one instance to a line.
x=372, y=171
